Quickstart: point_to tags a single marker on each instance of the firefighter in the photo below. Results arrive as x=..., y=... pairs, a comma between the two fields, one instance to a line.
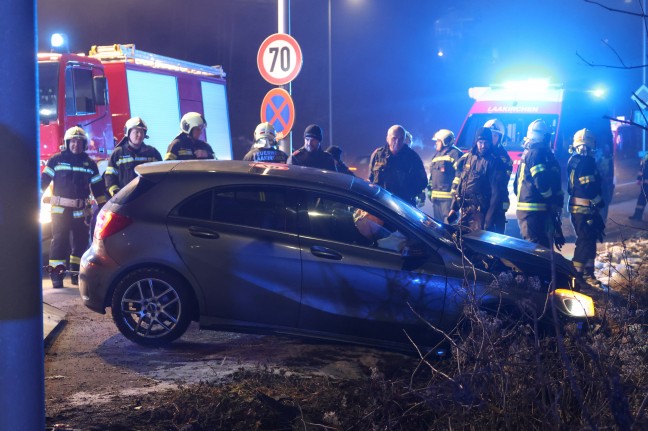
x=642, y=181
x=265, y=146
x=131, y=151
x=475, y=187
x=442, y=173
x=585, y=201
x=311, y=154
x=397, y=168
x=188, y=145
x=497, y=129
x=73, y=174
x=538, y=189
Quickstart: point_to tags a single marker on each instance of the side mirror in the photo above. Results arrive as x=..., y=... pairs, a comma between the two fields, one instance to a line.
x=100, y=90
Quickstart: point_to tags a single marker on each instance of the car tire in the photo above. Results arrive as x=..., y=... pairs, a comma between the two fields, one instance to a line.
x=152, y=306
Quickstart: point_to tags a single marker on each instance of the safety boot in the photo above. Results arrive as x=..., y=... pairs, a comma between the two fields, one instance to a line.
x=57, y=281
x=636, y=216
x=74, y=279
x=591, y=280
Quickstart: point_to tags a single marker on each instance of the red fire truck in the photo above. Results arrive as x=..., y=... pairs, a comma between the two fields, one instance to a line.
x=103, y=89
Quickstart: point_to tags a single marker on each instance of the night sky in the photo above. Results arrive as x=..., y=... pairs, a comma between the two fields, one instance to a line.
x=385, y=64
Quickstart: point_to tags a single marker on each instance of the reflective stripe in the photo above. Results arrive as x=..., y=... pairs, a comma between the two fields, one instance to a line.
x=56, y=263
x=111, y=171
x=185, y=153
x=456, y=180
x=546, y=194
x=101, y=199
x=437, y=194
x=170, y=156
x=531, y=206
x=445, y=158
x=74, y=260
x=57, y=209
x=537, y=169
x=78, y=214
x=577, y=209
x=579, y=201
x=113, y=190
x=130, y=159
x=586, y=179
x=96, y=179
x=49, y=171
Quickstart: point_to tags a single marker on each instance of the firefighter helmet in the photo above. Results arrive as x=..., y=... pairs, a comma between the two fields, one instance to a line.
x=75, y=132
x=536, y=132
x=446, y=136
x=134, y=123
x=584, y=141
x=265, y=135
x=191, y=120
x=496, y=126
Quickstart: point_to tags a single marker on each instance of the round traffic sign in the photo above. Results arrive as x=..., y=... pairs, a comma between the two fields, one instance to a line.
x=279, y=59
x=278, y=109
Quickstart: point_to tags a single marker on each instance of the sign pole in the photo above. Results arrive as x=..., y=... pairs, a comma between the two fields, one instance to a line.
x=283, y=26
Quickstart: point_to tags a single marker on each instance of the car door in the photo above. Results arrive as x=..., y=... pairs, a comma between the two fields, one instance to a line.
x=356, y=280
x=240, y=243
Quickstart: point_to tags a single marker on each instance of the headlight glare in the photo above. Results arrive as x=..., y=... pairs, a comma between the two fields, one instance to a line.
x=576, y=304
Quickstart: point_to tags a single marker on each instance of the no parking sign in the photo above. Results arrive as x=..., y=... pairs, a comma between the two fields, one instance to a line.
x=278, y=109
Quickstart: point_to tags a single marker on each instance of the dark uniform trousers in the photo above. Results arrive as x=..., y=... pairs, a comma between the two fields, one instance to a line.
x=536, y=226
x=69, y=221
x=441, y=208
x=586, y=237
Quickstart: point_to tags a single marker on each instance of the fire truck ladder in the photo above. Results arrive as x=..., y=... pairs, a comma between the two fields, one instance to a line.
x=118, y=52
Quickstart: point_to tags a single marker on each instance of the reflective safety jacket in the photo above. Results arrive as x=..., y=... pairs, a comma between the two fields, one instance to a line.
x=403, y=173
x=537, y=181
x=271, y=155
x=584, y=185
x=73, y=177
x=121, y=166
x=476, y=184
x=506, y=168
x=442, y=172
x=184, y=148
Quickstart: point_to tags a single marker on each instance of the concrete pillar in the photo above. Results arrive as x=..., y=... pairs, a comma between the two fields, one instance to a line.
x=22, y=394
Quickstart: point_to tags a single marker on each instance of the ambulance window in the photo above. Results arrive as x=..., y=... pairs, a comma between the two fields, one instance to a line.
x=79, y=94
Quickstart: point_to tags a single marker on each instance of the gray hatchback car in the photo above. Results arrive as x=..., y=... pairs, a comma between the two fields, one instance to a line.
x=269, y=248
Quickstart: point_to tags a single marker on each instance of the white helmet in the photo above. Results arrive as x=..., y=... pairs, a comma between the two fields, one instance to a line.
x=264, y=135
x=134, y=123
x=191, y=120
x=584, y=141
x=536, y=132
x=446, y=136
x=75, y=132
x=496, y=126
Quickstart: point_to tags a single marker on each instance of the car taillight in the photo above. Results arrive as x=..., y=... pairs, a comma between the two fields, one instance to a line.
x=109, y=223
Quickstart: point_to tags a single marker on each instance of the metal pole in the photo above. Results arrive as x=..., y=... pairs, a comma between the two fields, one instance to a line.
x=22, y=388
x=283, y=26
x=330, y=73
x=643, y=69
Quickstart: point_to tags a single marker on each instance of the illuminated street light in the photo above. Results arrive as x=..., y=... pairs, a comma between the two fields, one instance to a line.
x=59, y=43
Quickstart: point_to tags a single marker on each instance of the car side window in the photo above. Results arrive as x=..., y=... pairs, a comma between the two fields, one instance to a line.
x=248, y=206
x=335, y=220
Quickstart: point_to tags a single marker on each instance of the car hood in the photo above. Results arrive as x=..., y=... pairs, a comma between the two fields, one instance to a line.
x=526, y=255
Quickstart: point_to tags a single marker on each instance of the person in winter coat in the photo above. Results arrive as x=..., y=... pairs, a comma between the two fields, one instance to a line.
x=397, y=168
x=476, y=190
x=73, y=175
x=311, y=154
x=506, y=165
x=131, y=151
x=188, y=145
x=265, y=146
x=642, y=181
x=336, y=153
x=442, y=173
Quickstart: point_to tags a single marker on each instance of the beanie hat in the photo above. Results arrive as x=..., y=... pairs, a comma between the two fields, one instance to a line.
x=485, y=134
x=334, y=151
x=313, y=131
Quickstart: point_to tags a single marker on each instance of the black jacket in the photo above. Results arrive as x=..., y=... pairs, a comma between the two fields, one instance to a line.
x=73, y=177
x=442, y=172
x=271, y=155
x=121, y=166
x=537, y=181
x=183, y=148
x=314, y=159
x=403, y=173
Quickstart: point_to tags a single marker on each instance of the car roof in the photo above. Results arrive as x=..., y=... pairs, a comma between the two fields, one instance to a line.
x=291, y=173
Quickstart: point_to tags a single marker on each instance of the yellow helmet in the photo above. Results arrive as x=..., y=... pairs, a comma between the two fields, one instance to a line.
x=584, y=137
x=75, y=132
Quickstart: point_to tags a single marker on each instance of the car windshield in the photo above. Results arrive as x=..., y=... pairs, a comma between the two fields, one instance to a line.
x=48, y=91
x=404, y=210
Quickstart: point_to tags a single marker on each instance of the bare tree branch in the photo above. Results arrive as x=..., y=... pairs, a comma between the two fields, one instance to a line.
x=642, y=15
x=609, y=66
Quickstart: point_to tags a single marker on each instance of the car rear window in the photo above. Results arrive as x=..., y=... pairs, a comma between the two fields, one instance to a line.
x=248, y=206
x=132, y=190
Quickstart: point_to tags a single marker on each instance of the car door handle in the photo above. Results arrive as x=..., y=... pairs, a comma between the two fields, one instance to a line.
x=326, y=253
x=201, y=232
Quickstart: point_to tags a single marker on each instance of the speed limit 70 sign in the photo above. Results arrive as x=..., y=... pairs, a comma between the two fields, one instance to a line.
x=279, y=59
